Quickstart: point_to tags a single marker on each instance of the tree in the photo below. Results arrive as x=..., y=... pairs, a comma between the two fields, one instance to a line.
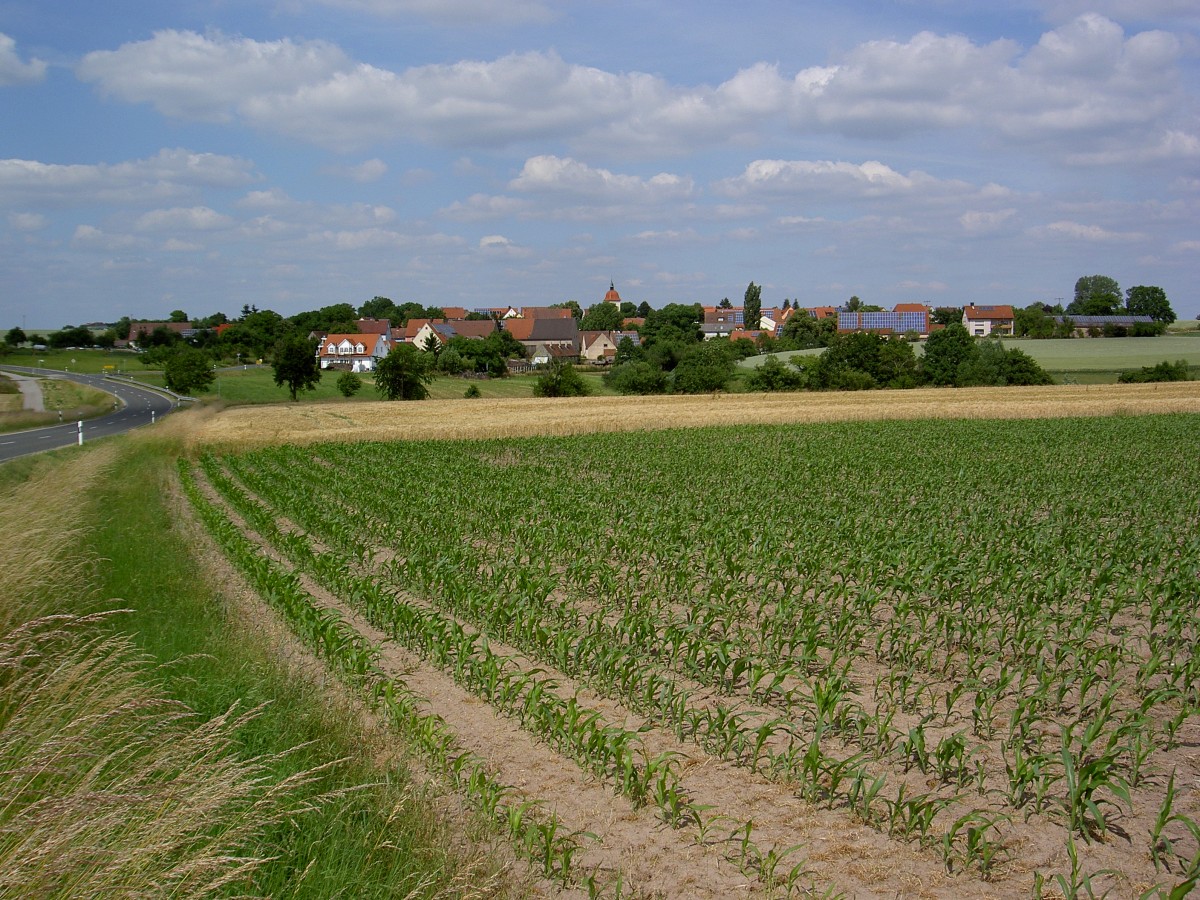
x=187, y=370
x=561, y=379
x=295, y=363
x=14, y=337
x=1095, y=295
x=178, y=315
x=379, y=308
x=348, y=384
x=604, y=316
x=773, y=375
x=704, y=368
x=637, y=377
x=1148, y=300
x=945, y=351
x=643, y=309
x=752, y=309
x=404, y=374
x=853, y=304
x=627, y=351
x=802, y=331
x=946, y=315
x=724, y=304
x=1033, y=322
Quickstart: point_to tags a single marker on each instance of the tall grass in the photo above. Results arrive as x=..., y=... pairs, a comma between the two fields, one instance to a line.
x=107, y=786
x=155, y=746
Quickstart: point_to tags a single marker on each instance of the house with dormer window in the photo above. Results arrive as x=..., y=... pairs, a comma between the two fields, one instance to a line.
x=355, y=352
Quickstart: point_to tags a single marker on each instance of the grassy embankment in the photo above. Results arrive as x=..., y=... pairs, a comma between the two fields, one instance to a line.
x=199, y=760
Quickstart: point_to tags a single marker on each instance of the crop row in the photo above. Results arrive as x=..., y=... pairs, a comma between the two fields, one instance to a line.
x=1029, y=631
x=539, y=834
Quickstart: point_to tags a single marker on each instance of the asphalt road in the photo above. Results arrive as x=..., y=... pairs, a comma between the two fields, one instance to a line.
x=139, y=406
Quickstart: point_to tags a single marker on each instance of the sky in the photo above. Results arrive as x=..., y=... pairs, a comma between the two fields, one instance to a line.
x=206, y=155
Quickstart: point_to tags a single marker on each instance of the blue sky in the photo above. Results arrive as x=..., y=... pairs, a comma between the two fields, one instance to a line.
x=290, y=154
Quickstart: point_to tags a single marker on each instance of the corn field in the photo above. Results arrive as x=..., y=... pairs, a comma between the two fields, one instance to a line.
x=923, y=658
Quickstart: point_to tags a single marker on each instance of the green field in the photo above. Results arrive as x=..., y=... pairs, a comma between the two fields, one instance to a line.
x=1094, y=360
x=983, y=660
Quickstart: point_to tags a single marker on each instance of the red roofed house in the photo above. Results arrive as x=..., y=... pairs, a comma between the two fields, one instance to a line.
x=545, y=312
x=982, y=321
x=442, y=332
x=546, y=339
x=358, y=352
x=374, y=326
x=183, y=329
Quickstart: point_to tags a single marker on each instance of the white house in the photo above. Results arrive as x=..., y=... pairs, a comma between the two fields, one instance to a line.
x=982, y=321
x=358, y=351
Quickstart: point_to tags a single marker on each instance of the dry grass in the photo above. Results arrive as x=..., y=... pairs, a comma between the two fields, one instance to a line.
x=107, y=787
x=243, y=427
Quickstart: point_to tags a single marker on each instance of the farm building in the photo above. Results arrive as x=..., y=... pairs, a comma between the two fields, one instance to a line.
x=982, y=321
x=357, y=352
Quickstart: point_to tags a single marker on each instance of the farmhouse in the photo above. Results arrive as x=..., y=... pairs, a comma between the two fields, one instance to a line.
x=601, y=346
x=982, y=321
x=442, y=331
x=721, y=321
x=545, y=339
x=357, y=352
x=139, y=331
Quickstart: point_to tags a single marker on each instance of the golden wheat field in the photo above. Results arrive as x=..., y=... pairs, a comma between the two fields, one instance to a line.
x=251, y=426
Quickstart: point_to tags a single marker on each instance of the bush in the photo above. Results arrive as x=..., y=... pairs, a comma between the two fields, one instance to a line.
x=1163, y=371
x=349, y=384
x=188, y=370
x=637, y=378
x=404, y=374
x=561, y=380
x=704, y=368
x=472, y=392
x=773, y=375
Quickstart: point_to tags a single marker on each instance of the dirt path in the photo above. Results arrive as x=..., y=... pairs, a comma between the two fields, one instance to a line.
x=31, y=392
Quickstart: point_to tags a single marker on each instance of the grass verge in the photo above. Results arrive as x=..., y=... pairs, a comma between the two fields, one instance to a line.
x=311, y=804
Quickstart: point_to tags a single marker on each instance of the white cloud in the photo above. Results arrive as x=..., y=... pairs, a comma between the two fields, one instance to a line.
x=171, y=173
x=871, y=179
x=26, y=221
x=174, y=245
x=363, y=173
x=479, y=207
x=1086, y=76
x=12, y=70
x=188, y=75
x=92, y=238
x=499, y=245
x=196, y=218
x=986, y=222
x=569, y=176
x=1078, y=231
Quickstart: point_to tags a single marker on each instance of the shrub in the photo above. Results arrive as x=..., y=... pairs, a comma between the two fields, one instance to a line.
x=773, y=375
x=637, y=378
x=561, y=379
x=348, y=384
x=1163, y=371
